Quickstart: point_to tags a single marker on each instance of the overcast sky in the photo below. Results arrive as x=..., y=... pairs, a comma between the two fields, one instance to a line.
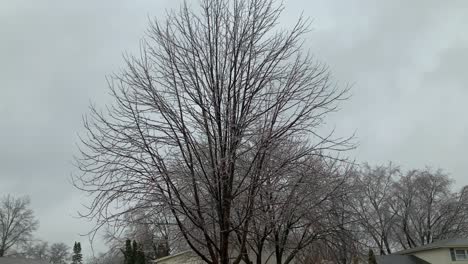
x=407, y=62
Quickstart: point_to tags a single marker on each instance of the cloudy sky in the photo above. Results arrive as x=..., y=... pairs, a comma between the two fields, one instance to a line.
x=407, y=62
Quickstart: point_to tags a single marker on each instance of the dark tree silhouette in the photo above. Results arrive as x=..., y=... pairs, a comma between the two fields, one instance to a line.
x=17, y=222
x=197, y=115
x=372, y=259
x=77, y=257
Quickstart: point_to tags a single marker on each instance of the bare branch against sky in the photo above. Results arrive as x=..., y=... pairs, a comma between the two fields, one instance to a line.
x=216, y=93
x=406, y=61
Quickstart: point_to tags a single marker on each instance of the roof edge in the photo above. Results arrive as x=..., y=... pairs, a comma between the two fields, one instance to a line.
x=173, y=256
x=435, y=245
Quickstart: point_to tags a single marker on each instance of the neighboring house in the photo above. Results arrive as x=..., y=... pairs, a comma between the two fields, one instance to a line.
x=10, y=260
x=189, y=257
x=400, y=259
x=449, y=251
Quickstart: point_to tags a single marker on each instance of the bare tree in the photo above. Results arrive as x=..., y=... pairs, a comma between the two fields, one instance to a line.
x=428, y=208
x=212, y=93
x=36, y=250
x=404, y=201
x=343, y=245
x=373, y=204
x=403, y=210
x=17, y=222
x=294, y=203
x=59, y=253
x=153, y=231
x=106, y=258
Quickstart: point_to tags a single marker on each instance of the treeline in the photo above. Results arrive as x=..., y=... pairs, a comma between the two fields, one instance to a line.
x=56, y=253
x=132, y=252
x=388, y=209
x=149, y=233
x=18, y=224
x=383, y=208
x=17, y=227
x=342, y=211
x=404, y=209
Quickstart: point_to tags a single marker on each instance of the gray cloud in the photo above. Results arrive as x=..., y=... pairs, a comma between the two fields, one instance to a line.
x=405, y=60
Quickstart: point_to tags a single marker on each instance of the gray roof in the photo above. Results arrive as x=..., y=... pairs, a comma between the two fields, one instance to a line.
x=399, y=259
x=10, y=260
x=446, y=243
x=185, y=256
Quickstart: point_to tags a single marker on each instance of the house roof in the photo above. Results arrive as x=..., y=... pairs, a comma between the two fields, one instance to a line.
x=446, y=243
x=399, y=259
x=10, y=260
x=186, y=254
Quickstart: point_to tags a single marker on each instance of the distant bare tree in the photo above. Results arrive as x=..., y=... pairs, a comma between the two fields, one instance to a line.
x=36, y=250
x=153, y=231
x=59, y=253
x=429, y=209
x=213, y=92
x=404, y=201
x=344, y=244
x=373, y=204
x=17, y=222
x=106, y=258
x=294, y=203
x=404, y=210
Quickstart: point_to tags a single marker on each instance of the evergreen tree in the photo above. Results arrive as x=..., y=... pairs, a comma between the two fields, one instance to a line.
x=128, y=253
x=372, y=259
x=140, y=257
x=133, y=253
x=77, y=257
x=74, y=260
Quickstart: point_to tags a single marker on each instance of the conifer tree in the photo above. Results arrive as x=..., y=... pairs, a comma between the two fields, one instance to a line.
x=140, y=257
x=128, y=253
x=372, y=259
x=77, y=257
x=133, y=253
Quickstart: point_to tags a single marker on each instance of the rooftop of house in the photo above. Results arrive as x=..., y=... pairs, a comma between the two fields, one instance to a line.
x=186, y=255
x=446, y=243
x=11, y=260
x=400, y=259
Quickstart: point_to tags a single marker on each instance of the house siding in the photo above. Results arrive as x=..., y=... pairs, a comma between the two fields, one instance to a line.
x=438, y=256
x=188, y=257
x=192, y=258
